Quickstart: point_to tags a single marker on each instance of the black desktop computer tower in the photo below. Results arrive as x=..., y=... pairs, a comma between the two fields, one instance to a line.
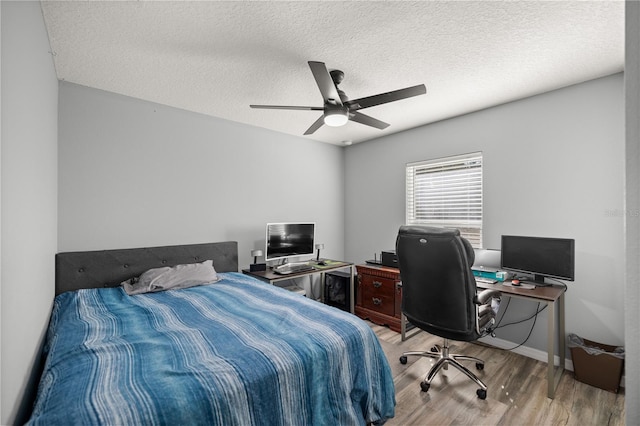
x=336, y=290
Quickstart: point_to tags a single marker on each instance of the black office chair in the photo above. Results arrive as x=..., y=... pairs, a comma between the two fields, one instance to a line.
x=439, y=295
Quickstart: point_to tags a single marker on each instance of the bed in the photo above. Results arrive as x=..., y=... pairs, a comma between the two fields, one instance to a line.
x=235, y=352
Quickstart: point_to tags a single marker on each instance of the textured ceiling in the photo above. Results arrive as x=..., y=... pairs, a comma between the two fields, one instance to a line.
x=216, y=57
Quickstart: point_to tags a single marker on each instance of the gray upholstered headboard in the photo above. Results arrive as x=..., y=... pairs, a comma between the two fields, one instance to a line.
x=108, y=268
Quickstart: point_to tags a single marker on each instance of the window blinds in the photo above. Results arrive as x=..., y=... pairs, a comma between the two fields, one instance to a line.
x=447, y=192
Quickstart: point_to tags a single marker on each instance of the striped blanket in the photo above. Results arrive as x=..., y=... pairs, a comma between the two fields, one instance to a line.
x=238, y=352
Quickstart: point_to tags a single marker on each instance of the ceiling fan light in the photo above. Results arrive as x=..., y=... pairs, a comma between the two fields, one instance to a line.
x=336, y=118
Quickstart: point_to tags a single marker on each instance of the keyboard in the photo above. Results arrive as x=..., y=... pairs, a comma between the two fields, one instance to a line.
x=485, y=280
x=292, y=268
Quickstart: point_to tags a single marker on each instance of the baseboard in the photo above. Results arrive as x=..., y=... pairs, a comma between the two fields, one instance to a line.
x=529, y=352
x=525, y=351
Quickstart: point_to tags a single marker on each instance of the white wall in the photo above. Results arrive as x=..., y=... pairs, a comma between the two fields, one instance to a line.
x=134, y=173
x=29, y=199
x=632, y=207
x=553, y=166
x=1, y=418
x=118, y=187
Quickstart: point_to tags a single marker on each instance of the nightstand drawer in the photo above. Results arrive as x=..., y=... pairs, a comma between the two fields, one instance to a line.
x=382, y=304
x=377, y=286
x=378, y=294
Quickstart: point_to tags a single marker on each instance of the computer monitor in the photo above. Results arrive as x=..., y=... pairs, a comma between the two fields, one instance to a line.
x=289, y=239
x=539, y=256
x=487, y=259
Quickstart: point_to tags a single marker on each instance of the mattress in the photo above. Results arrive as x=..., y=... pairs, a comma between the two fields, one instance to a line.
x=237, y=352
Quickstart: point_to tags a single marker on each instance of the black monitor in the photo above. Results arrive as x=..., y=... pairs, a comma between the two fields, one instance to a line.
x=284, y=240
x=540, y=257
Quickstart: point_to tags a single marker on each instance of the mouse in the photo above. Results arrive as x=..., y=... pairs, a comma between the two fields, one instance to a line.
x=322, y=263
x=515, y=282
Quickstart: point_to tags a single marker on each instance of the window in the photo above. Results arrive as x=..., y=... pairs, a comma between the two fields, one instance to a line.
x=447, y=192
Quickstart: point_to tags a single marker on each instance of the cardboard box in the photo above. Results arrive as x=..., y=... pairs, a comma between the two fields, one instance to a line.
x=599, y=368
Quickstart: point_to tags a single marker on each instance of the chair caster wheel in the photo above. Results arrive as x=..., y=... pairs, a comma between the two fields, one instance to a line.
x=479, y=366
x=482, y=394
x=403, y=359
x=424, y=386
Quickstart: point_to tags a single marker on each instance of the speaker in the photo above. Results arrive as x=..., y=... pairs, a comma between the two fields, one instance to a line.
x=389, y=258
x=257, y=267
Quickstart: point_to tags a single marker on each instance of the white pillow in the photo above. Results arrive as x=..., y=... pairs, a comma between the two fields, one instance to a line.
x=179, y=276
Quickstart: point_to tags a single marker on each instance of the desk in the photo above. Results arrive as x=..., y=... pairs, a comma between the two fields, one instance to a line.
x=332, y=265
x=552, y=296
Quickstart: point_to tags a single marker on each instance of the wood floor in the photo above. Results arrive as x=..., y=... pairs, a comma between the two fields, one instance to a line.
x=517, y=390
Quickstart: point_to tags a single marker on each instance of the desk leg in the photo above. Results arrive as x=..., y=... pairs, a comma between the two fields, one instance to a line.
x=553, y=376
x=352, y=290
x=561, y=333
x=322, y=286
x=551, y=331
x=561, y=342
x=403, y=329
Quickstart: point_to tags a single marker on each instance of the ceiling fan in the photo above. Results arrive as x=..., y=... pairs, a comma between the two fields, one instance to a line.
x=338, y=109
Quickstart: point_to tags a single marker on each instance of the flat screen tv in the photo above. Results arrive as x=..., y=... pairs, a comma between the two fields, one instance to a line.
x=289, y=239
x=539, y=256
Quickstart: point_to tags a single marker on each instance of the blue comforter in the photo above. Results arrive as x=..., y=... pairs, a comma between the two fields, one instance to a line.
x=238, y=352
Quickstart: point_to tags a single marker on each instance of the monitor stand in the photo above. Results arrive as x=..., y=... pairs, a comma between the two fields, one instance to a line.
x=538, y=281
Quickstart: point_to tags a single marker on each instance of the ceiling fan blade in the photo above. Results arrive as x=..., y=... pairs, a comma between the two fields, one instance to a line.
x=315, y=126
x=325, y=83
x=384, y=98
x=304, y=108
x=361, y=118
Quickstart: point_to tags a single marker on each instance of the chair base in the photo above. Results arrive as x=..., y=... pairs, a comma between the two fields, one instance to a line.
x=444, y=359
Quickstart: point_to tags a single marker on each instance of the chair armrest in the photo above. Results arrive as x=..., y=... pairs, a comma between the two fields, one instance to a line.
x=486, y=295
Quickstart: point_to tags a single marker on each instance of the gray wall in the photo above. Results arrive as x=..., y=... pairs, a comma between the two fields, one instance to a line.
x=553, y=166
x=29, y=198
x=134, y=173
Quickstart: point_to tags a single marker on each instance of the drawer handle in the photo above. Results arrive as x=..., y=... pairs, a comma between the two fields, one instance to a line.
x=377, y=284
x=376, y=301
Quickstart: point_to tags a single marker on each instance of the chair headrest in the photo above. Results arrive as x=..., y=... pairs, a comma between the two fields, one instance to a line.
x=428, y=230
x=439, y=232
